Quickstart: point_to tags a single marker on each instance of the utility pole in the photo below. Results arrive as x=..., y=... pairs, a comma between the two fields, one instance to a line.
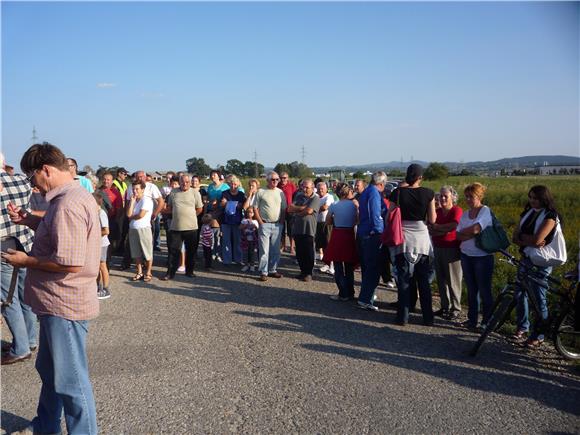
x=303, y=154
x=34, y=137
x=256, y=164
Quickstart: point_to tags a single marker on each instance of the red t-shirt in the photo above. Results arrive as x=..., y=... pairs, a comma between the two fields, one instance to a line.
x=116, y=200
x=449, y=240
x=288, y=190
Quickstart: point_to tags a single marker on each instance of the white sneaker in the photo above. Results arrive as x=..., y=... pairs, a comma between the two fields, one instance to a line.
x=325, y=268
x=331, y=271
x=181, y=269
x=245, y=268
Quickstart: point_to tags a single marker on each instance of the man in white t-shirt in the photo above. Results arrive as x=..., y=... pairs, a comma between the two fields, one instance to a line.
x=323, y=230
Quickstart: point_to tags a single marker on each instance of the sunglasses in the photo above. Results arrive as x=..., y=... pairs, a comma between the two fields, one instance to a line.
x=31, y=177
x=274, y=179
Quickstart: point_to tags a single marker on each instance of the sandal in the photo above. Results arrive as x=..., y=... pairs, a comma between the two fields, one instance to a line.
x=148, y=277
x=137, y=277
x=534, y=342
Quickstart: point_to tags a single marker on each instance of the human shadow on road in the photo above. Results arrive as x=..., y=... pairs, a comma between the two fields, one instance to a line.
x=441, y=355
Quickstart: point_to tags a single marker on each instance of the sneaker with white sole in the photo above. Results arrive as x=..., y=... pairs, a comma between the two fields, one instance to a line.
x=324, y=269
x=369, y=307
x=103, y=294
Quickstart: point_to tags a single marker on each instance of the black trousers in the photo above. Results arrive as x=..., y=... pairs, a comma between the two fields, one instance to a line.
x=304, y=253
x=207, y=250
x=176, y=239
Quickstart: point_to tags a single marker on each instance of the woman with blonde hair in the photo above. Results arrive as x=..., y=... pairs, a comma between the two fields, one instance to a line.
x=477, y=264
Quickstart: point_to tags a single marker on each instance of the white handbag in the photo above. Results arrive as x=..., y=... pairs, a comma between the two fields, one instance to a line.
x=551, y=255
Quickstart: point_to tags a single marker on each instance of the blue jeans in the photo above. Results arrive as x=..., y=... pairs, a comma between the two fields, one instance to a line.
x=538, y=293
x=410, y=277
x=216, y=248
x=63, y=369
x=370, y=263
x=231, y=249
x=19, y=317
x=344, y=279
x=156, y=224
x=477, y=272
x=269, y=235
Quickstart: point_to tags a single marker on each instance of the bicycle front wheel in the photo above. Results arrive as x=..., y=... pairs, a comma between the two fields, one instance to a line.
x=567, y=340
x=505, y=304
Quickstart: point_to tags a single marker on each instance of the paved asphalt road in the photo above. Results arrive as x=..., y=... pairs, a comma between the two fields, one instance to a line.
x=224, y=352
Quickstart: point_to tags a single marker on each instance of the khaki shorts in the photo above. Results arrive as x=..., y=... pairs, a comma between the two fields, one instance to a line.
x=141, y=243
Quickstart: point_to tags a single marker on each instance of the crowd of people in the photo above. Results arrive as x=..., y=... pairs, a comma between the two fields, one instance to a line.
x=60, y=231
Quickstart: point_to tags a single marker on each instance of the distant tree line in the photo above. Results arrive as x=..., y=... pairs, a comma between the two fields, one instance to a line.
x=197, y=165
x=294, y=169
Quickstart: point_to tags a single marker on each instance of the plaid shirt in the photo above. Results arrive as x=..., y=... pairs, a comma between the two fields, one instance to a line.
x=15, y=190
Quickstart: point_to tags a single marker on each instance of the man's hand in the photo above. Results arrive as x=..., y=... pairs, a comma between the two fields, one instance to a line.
x=15, y=258
x=17, y=214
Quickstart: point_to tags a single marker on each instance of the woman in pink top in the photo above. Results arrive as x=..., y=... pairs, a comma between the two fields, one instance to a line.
x=447, y=253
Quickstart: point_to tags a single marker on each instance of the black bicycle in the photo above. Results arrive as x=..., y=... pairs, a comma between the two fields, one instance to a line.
x=561, y=324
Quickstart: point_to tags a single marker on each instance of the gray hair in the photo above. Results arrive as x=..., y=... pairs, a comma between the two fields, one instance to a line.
x=451, y=191
x=234, y=179
x=270, y=175
x=379, y=177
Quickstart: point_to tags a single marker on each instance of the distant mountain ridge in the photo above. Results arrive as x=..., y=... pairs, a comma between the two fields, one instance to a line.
x=505, y=163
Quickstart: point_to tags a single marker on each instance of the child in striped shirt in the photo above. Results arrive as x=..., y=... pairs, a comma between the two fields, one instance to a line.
x=206, y=239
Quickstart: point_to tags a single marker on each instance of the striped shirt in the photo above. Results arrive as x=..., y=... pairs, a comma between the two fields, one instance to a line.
x=16, y=190
x=206, y=236
x=69, y=234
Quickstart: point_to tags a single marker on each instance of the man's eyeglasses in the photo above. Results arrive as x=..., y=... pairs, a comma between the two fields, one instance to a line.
x=274, y=179
x=284, y=178
x=31, y=177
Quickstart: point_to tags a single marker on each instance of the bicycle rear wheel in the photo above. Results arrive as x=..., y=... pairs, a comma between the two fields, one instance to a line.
x=566, y=339
x=505, y=304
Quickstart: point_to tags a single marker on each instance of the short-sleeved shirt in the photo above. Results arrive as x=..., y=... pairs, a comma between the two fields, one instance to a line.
x=116, y=201
x=449, y=239
x=69, y=234
x=145, y=203
x=483, y=218
x=215, y=193
x=414, y=202
x=104, y=219
x=343, y=213
x=528, y=223
x=151, y=191
x=327, y=199
x=306, y=225
x=183, y=209
x=233, y=207
x=15, y=190
x=271, y=203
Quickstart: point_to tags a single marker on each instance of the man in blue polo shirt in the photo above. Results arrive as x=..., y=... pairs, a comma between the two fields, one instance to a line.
x=369, y=232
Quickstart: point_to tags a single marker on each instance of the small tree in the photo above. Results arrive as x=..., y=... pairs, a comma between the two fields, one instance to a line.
x=235, y=166
x=436, y=171
x=197, y=166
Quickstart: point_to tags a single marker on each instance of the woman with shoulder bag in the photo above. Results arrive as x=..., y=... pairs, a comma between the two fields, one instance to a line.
x=477, y=264
x=537, y=228
x=417, y=206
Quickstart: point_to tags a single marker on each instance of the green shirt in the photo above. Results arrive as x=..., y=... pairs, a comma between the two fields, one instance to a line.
x=183, y=205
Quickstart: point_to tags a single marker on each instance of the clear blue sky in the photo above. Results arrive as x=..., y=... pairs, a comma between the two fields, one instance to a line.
x=148, y=85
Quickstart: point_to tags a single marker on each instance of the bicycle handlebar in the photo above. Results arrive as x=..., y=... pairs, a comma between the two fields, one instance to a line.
x=514, y=261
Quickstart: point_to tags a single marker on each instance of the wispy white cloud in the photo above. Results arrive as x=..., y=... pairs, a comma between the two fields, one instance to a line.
x=152, y=95
x=105, y=85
